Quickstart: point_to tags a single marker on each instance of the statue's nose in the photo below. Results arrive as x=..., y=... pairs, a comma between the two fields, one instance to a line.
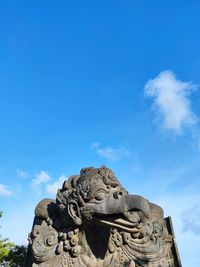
x=134, y=202
x=129, y=202
x=120, y=205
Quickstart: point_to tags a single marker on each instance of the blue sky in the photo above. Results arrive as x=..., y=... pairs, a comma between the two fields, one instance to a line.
x=87, y=83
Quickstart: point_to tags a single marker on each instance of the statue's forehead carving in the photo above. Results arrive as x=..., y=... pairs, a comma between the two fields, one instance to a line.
x=102, y=174
x=89, y=176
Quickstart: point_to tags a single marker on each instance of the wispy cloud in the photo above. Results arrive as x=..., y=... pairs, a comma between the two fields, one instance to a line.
x=110, y=153
x=41, y=178
x=191, y=219
x=22, y=174
x=53, y=187
x=4, y=191
x=171, y=100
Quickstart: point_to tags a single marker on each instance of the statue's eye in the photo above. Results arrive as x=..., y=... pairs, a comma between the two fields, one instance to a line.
x=118, y=194
x=100, y=195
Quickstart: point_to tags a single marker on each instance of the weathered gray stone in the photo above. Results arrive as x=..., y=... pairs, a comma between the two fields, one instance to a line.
x=94, y=222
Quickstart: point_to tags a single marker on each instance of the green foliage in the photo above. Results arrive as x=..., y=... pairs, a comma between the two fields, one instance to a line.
x=11, y=255
x=5, y=246
x=16, y=256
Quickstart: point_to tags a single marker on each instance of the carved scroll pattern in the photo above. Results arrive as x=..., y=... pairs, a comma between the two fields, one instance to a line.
x=44, y=241
x=149, y=246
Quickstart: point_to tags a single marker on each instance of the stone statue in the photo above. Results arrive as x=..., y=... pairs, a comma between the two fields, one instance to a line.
x=94, y=222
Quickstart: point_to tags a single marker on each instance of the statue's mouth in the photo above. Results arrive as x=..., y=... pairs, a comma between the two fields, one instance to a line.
x=129, y=221
x=124, y=213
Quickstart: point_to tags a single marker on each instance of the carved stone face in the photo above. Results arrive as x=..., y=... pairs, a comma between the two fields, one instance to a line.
x=96, y=223
x=97, y=195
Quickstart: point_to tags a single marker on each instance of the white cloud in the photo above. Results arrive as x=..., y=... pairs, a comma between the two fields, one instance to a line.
x=53, y=187
x=171, y=100
x=110, y=153
x=41, y=178
x=22, y=174
x=4, y=191
x=191, y=219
